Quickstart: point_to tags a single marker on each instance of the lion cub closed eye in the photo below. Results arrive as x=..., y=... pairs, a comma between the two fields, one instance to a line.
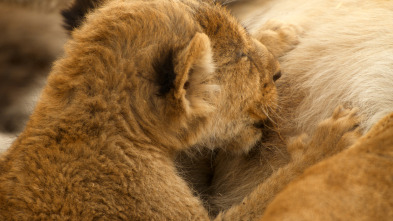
x=140, y=81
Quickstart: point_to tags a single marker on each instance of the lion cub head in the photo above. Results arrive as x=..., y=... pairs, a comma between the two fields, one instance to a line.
x=186, y=72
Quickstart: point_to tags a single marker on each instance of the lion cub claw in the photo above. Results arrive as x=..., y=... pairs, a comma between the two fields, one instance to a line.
x=278, y=37
x=331, y=136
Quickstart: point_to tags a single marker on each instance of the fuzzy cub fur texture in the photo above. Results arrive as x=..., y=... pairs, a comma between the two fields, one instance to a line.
x=139, y=82
x=343, y=56
x=331, y=136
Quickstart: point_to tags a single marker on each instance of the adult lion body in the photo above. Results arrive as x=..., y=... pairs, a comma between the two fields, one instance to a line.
x=344, y=55
x=139, y=82
x=356, y=184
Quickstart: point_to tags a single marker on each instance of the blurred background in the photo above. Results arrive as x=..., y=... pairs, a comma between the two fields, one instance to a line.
x=31, y=38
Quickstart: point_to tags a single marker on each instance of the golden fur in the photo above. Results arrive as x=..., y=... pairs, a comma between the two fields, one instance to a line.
x=197, y=168
x=343, y=56
x=356, y=184
x=331, y=136
x=139, y=82
x=337, y=45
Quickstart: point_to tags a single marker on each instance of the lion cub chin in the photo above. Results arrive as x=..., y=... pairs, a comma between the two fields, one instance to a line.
x=139, y=82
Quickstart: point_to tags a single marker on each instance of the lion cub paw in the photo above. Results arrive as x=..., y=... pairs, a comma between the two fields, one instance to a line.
x=331, y=136
x=279, y=38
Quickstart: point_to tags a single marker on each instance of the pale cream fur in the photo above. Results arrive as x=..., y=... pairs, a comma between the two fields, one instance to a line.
x=343, y=56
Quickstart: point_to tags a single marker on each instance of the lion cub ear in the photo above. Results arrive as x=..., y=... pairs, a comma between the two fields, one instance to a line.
x=193, y=87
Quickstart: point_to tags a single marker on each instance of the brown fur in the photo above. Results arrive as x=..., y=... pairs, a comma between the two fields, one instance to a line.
x=331, y=136
x=139, y=82
x=209, y=172
x=340, y=187
x=338, y=60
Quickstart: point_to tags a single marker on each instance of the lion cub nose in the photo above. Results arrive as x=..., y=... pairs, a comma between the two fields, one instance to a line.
x=276, y=76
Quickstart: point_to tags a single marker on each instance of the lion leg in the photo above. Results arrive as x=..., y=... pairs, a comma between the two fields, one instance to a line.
x=356, y=184
x=279, y=38
x=331, y=136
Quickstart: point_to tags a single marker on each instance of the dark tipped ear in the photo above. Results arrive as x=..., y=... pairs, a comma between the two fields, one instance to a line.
x=75, y=14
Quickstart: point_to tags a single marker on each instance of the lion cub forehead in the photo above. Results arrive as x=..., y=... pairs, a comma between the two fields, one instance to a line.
x=218, y=23
x=179, y=16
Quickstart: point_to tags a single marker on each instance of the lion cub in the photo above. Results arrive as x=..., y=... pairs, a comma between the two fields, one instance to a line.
x=139, y=82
